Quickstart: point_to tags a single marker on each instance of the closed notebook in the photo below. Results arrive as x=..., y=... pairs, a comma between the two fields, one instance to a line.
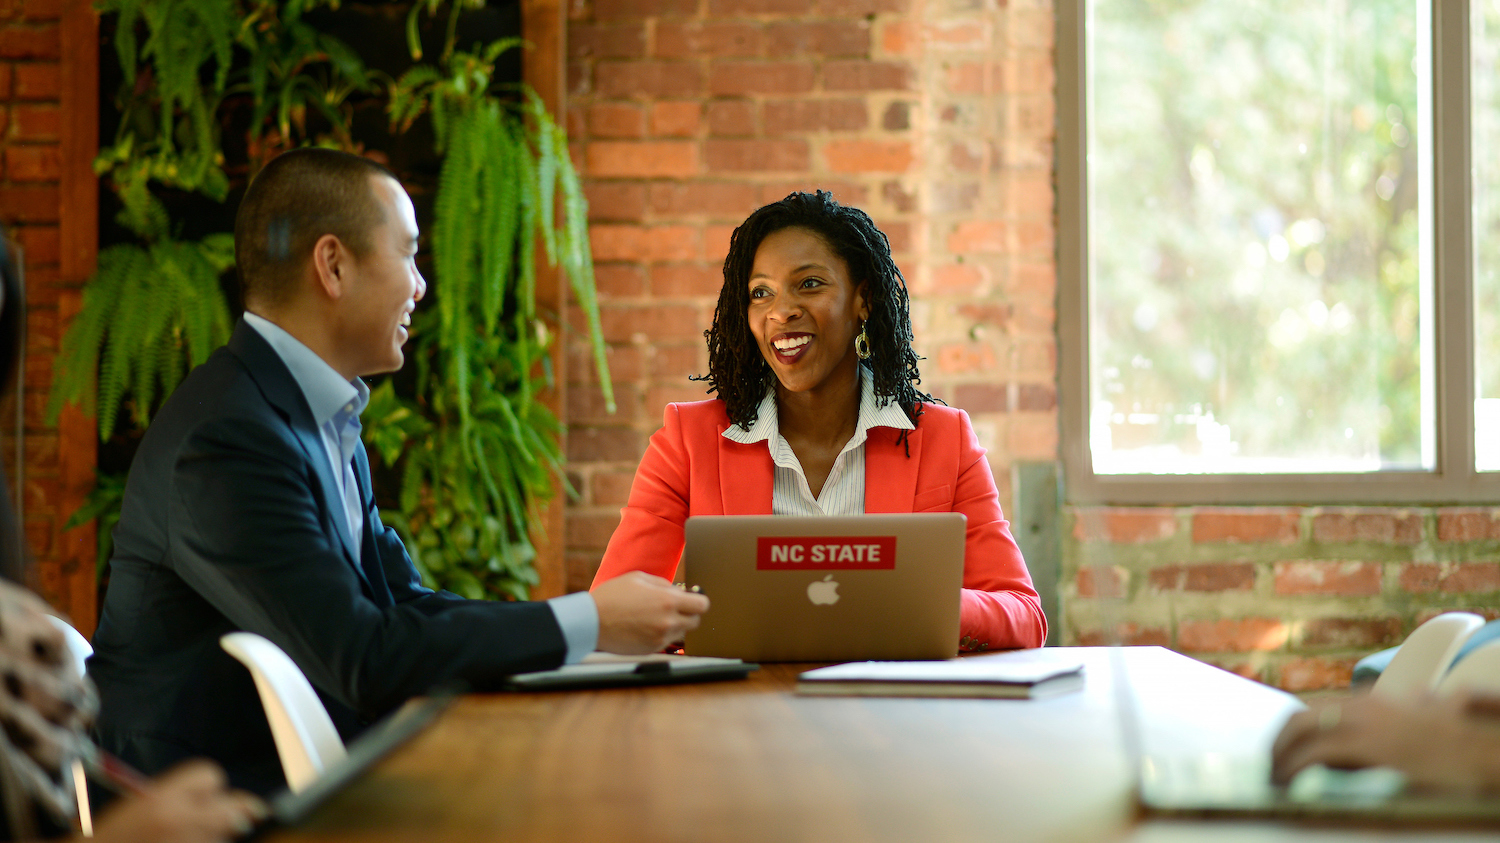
x=1019, y=675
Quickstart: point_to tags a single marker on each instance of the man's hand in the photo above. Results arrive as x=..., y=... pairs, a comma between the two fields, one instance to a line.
x=1445, y=744
x=639, y=613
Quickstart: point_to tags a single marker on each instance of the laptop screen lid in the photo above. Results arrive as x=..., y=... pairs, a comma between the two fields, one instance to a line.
x=883, y=586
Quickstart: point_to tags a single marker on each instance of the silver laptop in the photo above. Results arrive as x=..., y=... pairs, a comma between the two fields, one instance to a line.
x=826, y=589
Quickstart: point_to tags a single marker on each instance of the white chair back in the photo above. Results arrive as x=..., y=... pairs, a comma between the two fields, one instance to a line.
x=1424, y=657
x=1479, y=672
x=81, y=650
x=305, y=737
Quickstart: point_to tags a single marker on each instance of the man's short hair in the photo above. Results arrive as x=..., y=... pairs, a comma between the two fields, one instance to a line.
x=297, y=198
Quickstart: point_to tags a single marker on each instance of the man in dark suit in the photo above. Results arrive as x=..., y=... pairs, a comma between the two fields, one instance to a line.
x=249, y=507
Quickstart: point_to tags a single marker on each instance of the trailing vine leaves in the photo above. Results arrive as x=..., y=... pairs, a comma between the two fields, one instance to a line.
x=471, y=481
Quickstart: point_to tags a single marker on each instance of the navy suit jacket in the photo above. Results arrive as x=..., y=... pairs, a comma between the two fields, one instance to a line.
x=231, y=522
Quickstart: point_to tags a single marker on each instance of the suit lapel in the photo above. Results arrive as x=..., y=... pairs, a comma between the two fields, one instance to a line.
x=374, y=566
x=281, y=389
x=890, y=476
x=746, y=477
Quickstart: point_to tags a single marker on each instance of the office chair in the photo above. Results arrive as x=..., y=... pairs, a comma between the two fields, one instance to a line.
x=81, y=650
x=1425, y=655
x=305, y=737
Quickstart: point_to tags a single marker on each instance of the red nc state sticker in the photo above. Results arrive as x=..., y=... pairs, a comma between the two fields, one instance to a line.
x=825, y=553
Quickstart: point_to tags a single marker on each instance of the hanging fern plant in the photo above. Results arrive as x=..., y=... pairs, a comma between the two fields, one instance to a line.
x=487, y=452
x=475, y=451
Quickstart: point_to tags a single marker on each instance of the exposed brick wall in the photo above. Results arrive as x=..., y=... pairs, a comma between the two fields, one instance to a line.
x=48, y=121
x=934, y=117
x=937, y=117
x=1289, y=596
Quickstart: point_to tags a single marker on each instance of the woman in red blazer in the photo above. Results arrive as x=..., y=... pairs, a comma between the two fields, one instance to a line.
x=810, y=355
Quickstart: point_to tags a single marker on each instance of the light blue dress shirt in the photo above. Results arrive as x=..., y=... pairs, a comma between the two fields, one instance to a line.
x=336, y=404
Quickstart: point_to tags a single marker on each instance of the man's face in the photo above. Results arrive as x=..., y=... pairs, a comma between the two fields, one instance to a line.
x=383, y=287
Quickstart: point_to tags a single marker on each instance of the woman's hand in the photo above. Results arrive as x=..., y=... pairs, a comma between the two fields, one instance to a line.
x=188, y=804
x=1450, y=744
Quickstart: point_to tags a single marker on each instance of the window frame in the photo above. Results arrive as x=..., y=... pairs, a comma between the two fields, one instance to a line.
x=1454, y=478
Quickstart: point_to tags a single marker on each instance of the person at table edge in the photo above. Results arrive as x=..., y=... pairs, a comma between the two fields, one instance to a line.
x=816, y=414
x=249, y=507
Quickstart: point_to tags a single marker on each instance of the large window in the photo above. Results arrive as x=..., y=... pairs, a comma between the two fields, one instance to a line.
x=1269, y=291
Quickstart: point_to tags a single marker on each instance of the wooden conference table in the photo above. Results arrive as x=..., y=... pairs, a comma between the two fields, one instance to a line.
x=751, y=761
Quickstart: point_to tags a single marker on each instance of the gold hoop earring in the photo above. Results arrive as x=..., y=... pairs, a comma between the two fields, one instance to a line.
x=862, y=343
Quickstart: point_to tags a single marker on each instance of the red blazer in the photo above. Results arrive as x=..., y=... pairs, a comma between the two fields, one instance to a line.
x=691, y=469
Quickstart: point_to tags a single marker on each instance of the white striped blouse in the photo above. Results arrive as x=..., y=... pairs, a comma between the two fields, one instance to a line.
x=844, y=490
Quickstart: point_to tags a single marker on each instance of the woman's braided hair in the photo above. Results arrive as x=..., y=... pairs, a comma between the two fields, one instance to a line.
x=736, y=370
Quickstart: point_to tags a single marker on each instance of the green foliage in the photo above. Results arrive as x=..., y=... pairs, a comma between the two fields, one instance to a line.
x=102, y=503
x=142, y=310
x=476, y=452
x=472, y=477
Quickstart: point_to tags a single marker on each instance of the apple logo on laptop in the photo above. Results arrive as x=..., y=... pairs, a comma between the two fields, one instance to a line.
x=824, y=592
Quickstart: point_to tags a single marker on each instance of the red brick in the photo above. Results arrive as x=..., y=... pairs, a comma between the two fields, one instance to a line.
x=1032, y=436
x=1119, y=525
x=648, y=79
x=969, y=156
x=605, y=444
x=750, y=78
x=1102, y=581
x=686, y=279
x=619, y=280
x=976, y=236
x=959, y=35
x=5, y=81
x=610, y=488
x=982, y=397
x=1300, y=674
x=644, y=243
x=1030, y=28
x=594, y=41
x=867, y=76
x=859, y=8
x=899, y=38
x=1270, y=526
x=1241, y=635
x=1036, y=397
x=991, y=314
x=36, y=80
x=616, y=200
x=897, y=117
x=1320, y=577
x=653, y=323
x=34, y=10
x=40, y=243
x=1033, y=236
x=848, y=193
x=711, y=39
x=730, y=200
x=1127, y=634
x=868, y=156
x=820, y=38
x=39, y=535
x=1384, y=527
x=641, y=159
x=29, y=203
x=1210, y=576
x=958, y=358
x=618, y=9
x=586, y=404
x=1352, y=633
x=1467, y=524
x=33, y=163
x=972, y=78
x=955, y=278
x=784, y=117
x=626, y=363
x=732, y=8
x=591, y=530
x=676, y=119
x=35, y=122
x=677, y=393
x=730, y=118
x=616, y=120
x=755, y=156
x=1451, y=577
x=581, y=566
x=716, y=242
x=1028, y=74
x=1030, y=195
x=1488, y=613
x=30, y=42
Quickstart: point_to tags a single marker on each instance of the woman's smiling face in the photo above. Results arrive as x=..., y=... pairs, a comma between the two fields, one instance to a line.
x=804, y=310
